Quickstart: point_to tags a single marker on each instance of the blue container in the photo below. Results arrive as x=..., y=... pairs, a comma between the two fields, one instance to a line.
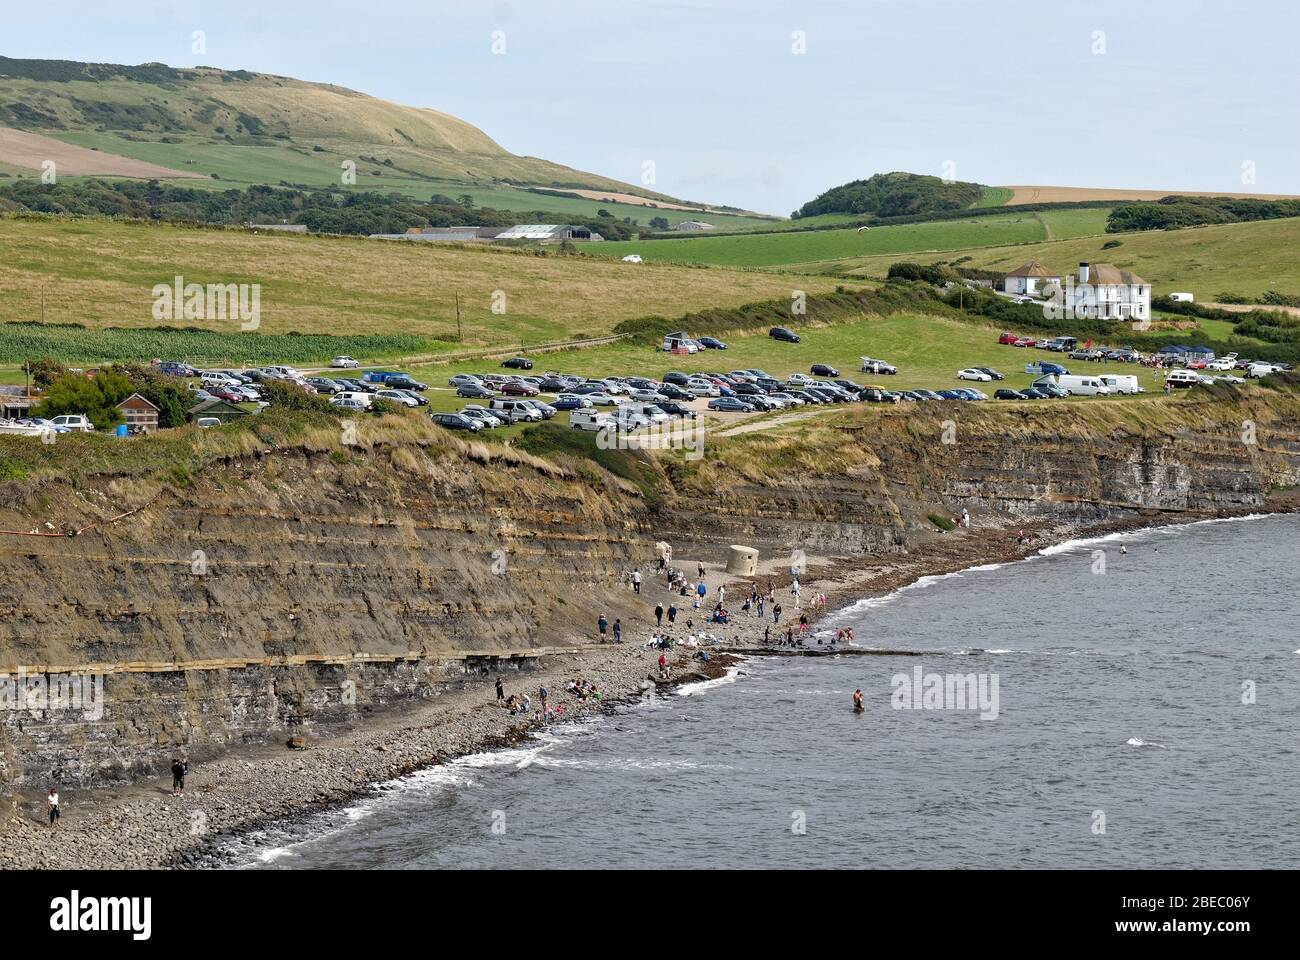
x=121, y=430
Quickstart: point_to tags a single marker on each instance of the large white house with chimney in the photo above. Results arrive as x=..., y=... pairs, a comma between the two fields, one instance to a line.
x=1105, y=292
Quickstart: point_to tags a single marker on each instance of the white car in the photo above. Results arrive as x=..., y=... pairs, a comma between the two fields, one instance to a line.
x=344, y=363
x=648, y=396
x=74, y=422
x=1229, y=378
x=632, y=258
x=489, y=417
x=601, y=399
x=398, y=397
x=799, y=378
x=347, y=403
x=1223, y=363
x=1254, y=370
x=970, y=373
x=701, y=388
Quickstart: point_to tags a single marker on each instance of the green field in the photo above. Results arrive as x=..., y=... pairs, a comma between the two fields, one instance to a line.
x=1245, y=258
x=835, y=250
x=995, y=197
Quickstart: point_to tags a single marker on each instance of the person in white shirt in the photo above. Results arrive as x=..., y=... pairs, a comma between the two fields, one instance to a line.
x=53, y=802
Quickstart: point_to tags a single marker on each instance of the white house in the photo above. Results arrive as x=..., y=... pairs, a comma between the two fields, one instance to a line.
x=1030, y=279
x=1106, y=292
x=694, y=225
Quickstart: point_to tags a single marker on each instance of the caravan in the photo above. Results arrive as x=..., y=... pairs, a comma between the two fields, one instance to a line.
x=1078, y=386
x=1121, y=384
x=679, y=343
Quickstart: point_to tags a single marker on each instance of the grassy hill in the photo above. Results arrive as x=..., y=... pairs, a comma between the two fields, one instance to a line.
x=834, y=250
x=100, y=273
x=1245, y=258
x=258, y=128
x=895, y=195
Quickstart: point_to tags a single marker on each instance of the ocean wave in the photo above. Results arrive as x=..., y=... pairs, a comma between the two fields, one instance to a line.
x=1139, y=742
x=701, y=686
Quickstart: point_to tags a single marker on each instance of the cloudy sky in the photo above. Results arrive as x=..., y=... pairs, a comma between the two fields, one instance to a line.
x=762, y=104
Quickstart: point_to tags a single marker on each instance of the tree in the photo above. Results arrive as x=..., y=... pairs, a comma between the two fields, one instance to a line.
x=465, y=200
x=659, y=223
x=604, y=214
x=97, y=397
x=44, y=371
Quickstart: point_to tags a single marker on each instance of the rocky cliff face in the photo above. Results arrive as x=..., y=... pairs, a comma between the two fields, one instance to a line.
x=276, y=593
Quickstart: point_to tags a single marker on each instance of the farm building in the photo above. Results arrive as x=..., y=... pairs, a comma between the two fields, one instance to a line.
x=694, y=225
x=282, y=227
x=225, y=412
x=140, y=414
x=548, y=232
x=1106, y=292
x=1030, y=279
x=443, y=234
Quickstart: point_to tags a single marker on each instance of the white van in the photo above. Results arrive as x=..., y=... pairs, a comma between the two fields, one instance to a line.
x=1082, y=386
x=1182, y=378
x=1260, y=370
x=359, y=396
x=591, y=420
x=287, y=373
x=680, y=343
x=515, y=410
x=1122, y=384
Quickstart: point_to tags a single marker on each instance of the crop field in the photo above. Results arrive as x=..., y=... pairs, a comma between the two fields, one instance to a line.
x=1244, y=258
x=838, y=249
x=101, y=273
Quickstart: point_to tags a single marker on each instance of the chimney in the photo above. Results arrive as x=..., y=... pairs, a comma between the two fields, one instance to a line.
x=1083, y=273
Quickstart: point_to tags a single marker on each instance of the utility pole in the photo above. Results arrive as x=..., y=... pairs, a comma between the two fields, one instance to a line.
x=459, y=336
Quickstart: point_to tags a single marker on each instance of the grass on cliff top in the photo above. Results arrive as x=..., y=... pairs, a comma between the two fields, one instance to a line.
x=100, y=273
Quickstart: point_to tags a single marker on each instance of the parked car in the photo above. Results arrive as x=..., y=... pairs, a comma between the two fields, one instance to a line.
x=591, y=420
x=548, y=411
x=674, y=392
x=397, y=397
x=675, y=409
x=517, y=363
x=602, y=399
x=569, y=401
x=711, y=343
x=730, y=405
x=483, y=415
x=702, y=388
x=517, y=388
x=784, y=334
x=878, y=367
x=1008, y=338
x=1004, y=393
x=973, y=373
x=993, y=373
x=347, y=402
x=474, y=391
x=322, y=385
x=344, y=363
x=74, y=422
x=823, y=370
x=458, y=421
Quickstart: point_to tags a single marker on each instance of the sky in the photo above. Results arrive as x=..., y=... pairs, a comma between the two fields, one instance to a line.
x=763, y=105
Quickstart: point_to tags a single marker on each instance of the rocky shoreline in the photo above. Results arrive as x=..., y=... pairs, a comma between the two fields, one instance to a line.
x=227, y=800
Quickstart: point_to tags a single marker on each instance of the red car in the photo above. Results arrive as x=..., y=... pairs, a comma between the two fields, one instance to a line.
x=517, y=388
x=1008, y=338
x=1026, y=342
x=229, y=395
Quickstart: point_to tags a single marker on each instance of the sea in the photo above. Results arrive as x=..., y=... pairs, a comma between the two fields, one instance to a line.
x=1130, y=701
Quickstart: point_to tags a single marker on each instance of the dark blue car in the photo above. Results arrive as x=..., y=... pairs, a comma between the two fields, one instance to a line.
x=711, y=343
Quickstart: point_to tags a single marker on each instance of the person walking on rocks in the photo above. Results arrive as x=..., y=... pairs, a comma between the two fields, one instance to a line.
x=603, y=625
x=52, y=803
x=672, y=614
x=618, y=630
x=700, y=564
x=180, y=767
x=542, y=694
x=636, y=581
x=776, y=612
x=722, y=594
x=659, y=615
x=501, y=691
x=760, y=606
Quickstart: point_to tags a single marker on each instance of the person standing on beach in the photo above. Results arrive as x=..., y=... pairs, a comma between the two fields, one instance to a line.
x=767, y=636
x=618, y=630
x=603, y=625
x=180, y=767
x=760, y=606
x=659, y=615
x=501, y=691
x=52, y=804
x=776, y=612
x=542, y=695
x=722, y=594
x=700, y=564
x=672, y=613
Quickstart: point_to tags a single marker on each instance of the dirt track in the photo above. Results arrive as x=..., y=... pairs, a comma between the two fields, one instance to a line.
x=30, y=150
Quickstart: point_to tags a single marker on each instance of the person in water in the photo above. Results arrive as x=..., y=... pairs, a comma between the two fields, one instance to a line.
x=857, y=701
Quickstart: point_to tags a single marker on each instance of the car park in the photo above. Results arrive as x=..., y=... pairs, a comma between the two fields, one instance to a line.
x=783, y=334
x=344, y=363
x=458, y=421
